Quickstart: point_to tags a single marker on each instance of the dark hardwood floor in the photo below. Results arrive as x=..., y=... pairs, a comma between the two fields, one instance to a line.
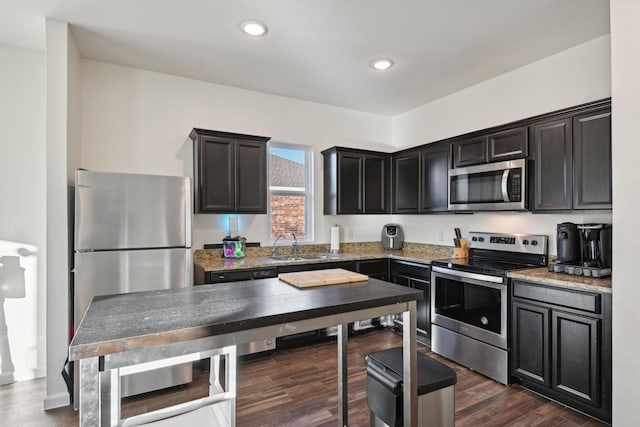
x=298, y=387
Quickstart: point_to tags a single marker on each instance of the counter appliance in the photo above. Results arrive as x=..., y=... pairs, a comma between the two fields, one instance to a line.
x=469, y=299
x=583, y=250
x=392, y=237
x=132, y=233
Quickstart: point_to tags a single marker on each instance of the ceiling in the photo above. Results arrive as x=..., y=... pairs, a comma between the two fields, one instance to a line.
x=319, y=50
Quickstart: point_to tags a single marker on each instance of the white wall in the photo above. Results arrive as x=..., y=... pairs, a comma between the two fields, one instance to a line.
x=63, y=152
x=625, y=65
x=22, y=214
x=575, y=76
x=139, y=121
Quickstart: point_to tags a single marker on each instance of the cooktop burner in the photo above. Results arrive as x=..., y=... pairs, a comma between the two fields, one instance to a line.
x=497, y=253
x=482, y=265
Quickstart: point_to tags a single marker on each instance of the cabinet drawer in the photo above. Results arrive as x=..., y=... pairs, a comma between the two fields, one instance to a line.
x=372, y=267
x=567, y=298
x=232, y=276
x=412, y=269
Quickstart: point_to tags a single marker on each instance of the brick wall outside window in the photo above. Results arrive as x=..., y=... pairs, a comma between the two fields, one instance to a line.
x=287, y=216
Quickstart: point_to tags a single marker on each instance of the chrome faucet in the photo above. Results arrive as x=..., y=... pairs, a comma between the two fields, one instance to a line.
x=294, y=245
x=273, y=248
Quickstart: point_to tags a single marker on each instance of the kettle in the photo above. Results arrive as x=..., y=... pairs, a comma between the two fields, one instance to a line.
x=568, y=243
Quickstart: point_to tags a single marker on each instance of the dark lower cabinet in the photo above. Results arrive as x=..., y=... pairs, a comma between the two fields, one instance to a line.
x=561, y=345
x=417, y=276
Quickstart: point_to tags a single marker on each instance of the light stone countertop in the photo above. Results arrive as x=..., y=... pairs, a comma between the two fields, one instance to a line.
x=545, y=277
x=211, y=260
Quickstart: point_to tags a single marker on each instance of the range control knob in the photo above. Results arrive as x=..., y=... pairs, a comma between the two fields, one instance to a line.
x=474, y=238
x=525, y=242
x=481, y=239
x=534, y=242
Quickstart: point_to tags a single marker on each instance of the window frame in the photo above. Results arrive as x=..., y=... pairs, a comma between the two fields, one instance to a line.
x=287, y=191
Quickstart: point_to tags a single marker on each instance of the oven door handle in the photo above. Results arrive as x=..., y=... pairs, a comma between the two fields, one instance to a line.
x=505, y=181
x=467, y=275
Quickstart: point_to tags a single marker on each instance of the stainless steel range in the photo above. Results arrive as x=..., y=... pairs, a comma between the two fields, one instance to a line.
x=469, y=300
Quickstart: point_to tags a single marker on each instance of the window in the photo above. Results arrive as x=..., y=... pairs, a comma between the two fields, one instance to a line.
x=291, y=190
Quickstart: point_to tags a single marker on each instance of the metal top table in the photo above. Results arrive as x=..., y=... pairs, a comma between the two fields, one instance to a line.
x=120, y=331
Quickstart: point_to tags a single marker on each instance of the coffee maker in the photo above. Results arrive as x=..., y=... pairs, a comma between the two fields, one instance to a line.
x=568, y=241
x=583, y=250
x=595, y=245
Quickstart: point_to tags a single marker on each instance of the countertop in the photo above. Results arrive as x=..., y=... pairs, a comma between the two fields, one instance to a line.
x=211, y=260
x=545, y=277
x=138, y=320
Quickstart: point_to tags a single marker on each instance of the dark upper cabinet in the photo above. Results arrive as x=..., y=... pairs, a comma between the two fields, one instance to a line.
x=406, y=182
x=435, y=161
x=553, y=177
x=492, y=147
x=472, y=151
x=230, y=172
x=508, y=145
x=592, y=160
x=420, y=179
x=355, y=181
x=573, y=162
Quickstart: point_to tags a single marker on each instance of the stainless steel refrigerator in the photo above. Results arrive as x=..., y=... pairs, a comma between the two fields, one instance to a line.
x=132, y=233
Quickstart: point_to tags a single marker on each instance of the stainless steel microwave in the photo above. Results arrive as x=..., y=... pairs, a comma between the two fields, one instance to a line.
x=497, y=186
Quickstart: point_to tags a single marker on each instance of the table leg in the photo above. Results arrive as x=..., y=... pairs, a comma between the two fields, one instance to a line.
x=89, y=392
x=110, y=397
x=409, y=366
x=343, y=409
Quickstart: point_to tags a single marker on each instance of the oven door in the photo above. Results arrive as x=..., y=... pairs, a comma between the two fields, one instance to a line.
x=494, y=186
x=474, y=305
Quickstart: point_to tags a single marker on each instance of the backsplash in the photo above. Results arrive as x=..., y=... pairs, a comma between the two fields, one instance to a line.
x=201, y=255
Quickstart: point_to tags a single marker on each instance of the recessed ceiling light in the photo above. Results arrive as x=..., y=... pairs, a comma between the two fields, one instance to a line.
x=254, y=28
x=382, y=64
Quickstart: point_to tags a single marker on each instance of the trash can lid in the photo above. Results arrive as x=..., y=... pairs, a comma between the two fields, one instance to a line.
x=432, y=375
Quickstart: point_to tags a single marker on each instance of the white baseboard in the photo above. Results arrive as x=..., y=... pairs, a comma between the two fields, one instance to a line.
x=57, y=401
x=7, y=378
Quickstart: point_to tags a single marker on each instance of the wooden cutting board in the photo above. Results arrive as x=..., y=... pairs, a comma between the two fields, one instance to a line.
x=333, y=276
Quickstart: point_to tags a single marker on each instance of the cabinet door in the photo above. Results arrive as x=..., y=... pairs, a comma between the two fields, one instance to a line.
x=251, y=177
x=350, y=188
x=406, y=180
x=575, y=356
x=470, y=151
x=530, y=354
x=216, y=189
x=434, y=178
x=592, y=160
x=508, y=144
x=553, y=170
x=423, y=315
x=376, y=177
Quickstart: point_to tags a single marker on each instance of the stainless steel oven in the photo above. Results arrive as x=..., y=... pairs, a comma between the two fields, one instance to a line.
x=469, y=300
x=492, y=187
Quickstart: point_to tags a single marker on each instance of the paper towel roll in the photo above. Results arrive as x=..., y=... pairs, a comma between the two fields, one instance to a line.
x=335, y=239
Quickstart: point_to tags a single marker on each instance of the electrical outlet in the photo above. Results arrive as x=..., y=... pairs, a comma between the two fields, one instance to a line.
x=441, y=236
x=350, y=234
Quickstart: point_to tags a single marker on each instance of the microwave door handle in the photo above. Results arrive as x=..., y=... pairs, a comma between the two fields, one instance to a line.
x=505, y=180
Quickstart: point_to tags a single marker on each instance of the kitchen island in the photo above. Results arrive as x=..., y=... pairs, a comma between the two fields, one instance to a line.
x=120, y=332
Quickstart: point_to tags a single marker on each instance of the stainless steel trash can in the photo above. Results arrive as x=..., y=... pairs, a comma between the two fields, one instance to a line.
x=436, y=393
